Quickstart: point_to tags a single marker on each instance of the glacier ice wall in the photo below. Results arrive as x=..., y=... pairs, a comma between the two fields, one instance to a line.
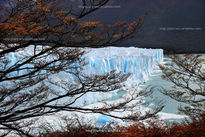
x=137, y=61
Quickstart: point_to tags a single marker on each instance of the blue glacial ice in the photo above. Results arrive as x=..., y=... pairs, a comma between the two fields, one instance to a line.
x=103, y=119
x=137, y=61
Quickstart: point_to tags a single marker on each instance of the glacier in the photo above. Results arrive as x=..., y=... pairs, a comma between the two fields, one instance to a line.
x=138, y=62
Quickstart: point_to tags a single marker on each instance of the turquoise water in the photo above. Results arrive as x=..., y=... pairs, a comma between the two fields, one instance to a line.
x=155, y=80
x=118, y=95
x=171, y=106
x=170, y=111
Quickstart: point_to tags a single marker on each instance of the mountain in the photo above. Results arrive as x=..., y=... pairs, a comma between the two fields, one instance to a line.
x=185, y=18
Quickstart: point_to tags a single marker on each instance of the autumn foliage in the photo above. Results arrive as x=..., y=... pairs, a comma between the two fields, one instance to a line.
x=153, y=128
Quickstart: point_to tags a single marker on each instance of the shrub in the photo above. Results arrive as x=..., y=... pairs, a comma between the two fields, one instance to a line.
x=195, y=127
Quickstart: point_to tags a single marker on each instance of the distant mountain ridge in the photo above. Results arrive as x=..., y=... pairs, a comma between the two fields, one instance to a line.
x=186, y=18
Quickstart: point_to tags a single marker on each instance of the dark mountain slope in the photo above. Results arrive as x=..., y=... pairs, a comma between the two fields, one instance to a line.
x=174, y=14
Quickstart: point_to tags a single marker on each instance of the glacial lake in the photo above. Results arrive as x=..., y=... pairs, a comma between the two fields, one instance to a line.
x=155, y=80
